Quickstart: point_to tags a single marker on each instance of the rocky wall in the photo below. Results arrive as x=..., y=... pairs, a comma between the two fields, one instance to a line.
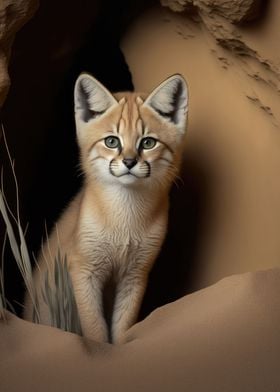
x=225, y=213
x=229, y=23
x=13, y=15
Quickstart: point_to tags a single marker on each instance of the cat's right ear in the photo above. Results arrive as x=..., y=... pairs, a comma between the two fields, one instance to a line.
x=91, y=99
x=170, y=101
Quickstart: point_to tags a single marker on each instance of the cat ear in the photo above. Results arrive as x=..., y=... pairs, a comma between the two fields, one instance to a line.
x=170, y=100
x=92, y=99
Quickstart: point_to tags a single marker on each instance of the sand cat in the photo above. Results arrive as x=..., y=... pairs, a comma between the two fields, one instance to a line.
x=130, y=146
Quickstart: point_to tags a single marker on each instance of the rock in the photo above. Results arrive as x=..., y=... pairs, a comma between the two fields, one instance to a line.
x=236, y=11
x=222, y=19
x=13, y=15
x=177, y=5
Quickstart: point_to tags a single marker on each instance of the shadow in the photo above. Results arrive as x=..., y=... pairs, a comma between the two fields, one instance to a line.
x=260, y=19
x=175, y=270
x=38, y=115
x=61, y=41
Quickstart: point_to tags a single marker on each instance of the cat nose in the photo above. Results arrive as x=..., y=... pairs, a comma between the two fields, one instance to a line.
x=129, y=162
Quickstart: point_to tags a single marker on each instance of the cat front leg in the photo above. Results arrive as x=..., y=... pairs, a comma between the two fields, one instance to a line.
x=88, y=293
x=129, y=294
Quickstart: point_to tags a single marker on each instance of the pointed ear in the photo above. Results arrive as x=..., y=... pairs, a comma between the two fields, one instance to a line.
x=92, y=99
x=170, y=100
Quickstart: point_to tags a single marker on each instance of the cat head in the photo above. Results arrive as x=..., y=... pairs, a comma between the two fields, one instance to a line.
x=131, y=139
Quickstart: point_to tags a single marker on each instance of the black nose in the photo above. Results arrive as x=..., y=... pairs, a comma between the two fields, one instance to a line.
x=129, y=162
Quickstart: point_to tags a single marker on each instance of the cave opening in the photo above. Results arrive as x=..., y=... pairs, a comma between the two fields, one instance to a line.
x=62, y=40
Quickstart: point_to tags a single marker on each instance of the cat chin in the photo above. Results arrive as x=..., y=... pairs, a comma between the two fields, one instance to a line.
x=128, y=179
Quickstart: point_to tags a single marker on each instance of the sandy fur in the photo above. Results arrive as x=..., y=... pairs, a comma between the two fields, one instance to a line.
x=114, y=228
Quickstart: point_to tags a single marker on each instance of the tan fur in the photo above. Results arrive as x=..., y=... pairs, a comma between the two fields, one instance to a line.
x=115, y=226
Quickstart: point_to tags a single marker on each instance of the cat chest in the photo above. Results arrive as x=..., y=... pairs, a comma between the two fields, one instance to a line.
x=117, y=247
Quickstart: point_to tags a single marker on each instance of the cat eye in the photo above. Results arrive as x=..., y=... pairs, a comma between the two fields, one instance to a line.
x=147, y=143
x=112, y=142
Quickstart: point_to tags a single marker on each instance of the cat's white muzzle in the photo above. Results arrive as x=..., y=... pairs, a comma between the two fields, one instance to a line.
x=125, y=175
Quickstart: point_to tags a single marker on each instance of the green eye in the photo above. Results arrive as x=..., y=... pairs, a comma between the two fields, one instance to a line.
x=148, y=142
x=112, y=141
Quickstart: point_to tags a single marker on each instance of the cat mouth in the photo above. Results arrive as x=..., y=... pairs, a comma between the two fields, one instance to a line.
x=140, y=173
x=127, y=174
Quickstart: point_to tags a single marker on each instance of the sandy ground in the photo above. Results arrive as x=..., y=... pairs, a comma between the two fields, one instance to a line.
x=223, y=338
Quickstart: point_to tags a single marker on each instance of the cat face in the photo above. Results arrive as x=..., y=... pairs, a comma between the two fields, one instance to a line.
x=128, y=139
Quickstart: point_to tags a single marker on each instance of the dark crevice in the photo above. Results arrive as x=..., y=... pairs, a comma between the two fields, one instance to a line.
x=48, y=55
x=39, y=122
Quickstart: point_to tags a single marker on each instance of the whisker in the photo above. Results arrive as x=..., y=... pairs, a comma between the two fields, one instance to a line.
x=94, y=159
x=176, y=183
x=79, y=170
x=177, y=177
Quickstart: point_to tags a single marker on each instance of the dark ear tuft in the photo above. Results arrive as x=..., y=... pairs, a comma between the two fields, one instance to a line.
x=170, y=100
x=92, y=99
x=87, y=113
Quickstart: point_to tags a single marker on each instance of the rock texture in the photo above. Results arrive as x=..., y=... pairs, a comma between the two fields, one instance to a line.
x=224, y=20
x=13, y=15
x=221, y=19
x=236, y=11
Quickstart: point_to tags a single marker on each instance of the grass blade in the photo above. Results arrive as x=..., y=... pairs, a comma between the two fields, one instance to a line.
x=57, y=293
x=56, y=289
x=3, y=303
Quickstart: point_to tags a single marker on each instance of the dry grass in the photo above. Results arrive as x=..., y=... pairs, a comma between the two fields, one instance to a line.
x=57, y=292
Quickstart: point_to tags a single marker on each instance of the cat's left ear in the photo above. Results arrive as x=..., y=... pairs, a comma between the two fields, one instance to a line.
x=170, y=100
